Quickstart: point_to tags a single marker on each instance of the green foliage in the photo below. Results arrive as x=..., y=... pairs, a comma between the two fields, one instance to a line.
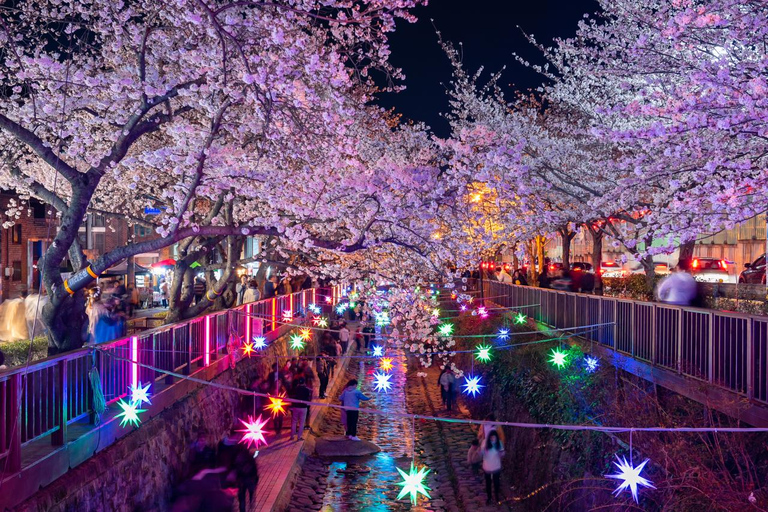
x=633, y=286
x=16, y=351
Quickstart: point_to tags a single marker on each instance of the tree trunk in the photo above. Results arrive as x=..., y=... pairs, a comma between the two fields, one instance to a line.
x=650, y=272
x=540, y=241
x=567, y=236
x=596, y=235
x=533, y=276
x=686, y=250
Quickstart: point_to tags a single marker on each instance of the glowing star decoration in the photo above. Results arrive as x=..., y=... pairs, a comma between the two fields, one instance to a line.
x=591, y=363
x=322, y=322
x=297, y=342
x=341, y=308
x=259, y=342
x=385, y=363
x=378, y=351
x=382, y=319
x=277, y=405
x=445, y=329
x=483, y=353
x=287, y=315
x=314, y=308
x=558, y=358
x=140, y=394
x=482, y=311
x=630, y=477
x=305, y=334
x=463, y=307
x=520, y=318
x=253, y=434
x=436, y=312
x=472, y=385
x=503, y=334
x=328, y=299
x=130, y=413
x=382, y=381
x=248, y=349
x=413, y=483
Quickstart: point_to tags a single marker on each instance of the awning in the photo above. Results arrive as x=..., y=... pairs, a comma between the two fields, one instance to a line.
x=164, y=263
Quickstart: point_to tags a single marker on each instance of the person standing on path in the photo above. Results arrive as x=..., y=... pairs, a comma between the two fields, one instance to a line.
x=322, y=374
x=299, y=410
x=351, y=397
x=247, y=475
x=344, y=337
x=492, y=451
x=448, y=381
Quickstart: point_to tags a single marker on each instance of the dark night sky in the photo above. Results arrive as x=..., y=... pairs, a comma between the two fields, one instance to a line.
x=489, y=32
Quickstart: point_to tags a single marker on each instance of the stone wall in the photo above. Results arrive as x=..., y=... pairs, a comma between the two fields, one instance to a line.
x=139, y=471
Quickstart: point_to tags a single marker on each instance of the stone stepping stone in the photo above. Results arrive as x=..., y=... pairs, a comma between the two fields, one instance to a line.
x=340, y=446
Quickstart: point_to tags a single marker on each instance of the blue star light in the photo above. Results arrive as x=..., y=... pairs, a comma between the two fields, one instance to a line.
x=472, y=385
x=378, y=351
x=591, y=363
x=139, y=394
x=382, y=381
x=630, y=477
x=341, y=308
x=314, y=308
x=503, y=334
x=259, y=342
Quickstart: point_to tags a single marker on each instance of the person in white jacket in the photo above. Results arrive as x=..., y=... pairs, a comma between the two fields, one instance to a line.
x=493, y=452
x=503, y=276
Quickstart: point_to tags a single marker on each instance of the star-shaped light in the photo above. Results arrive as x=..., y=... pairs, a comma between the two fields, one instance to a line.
x=503, y=334
x=378, y=350
x=453, y=296
x=591, y=363
x=472, y=384
x=254, y=431
x=139, y=394
x=445, y=329
x=341, y=308
x=483, y=353
x=630, y=477
x=305, y=334
x=328, y=299
x=482, y=311
x=520, y=318
x=259, y=342
x=558, y=358
x=385, y=363
x=314, y=308
x=413, y=483
x=436, y=312
x=382, y=319
x=277, y=405
x=463, y=307
x=248, y=349
x=296, y=341
x=130, y=413
x=382, y=381
x=352, y=305
x=287, y=315
x=322, y=322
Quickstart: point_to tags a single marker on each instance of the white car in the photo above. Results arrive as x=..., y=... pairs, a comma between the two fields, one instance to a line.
x=711, y=270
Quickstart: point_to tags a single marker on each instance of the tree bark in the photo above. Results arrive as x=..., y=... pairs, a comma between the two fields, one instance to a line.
x=686, y=250
x=566, y=235
x=596, y=234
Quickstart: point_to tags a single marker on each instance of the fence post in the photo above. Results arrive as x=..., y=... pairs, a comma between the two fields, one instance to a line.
x=750, y=361
x=654, y=338
x=710, y=346
x=679, y=340
x=59, y=437
x=168, y=377
x=188, y=340
x=14, y=423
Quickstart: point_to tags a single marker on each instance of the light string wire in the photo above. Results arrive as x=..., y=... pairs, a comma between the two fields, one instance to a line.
x=414, y=417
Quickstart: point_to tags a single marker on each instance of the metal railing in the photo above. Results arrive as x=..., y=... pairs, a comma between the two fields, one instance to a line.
x=724, y=349
x=45, y=398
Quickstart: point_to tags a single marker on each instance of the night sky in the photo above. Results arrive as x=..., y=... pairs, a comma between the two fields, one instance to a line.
x=489, y=32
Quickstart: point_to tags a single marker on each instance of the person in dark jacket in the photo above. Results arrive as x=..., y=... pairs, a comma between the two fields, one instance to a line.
x=298, y=410
x=247, y=477
x=270, y=287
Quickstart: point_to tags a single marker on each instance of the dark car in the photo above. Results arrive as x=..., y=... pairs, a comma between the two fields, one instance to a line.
x=581, y=266
x=754, y=272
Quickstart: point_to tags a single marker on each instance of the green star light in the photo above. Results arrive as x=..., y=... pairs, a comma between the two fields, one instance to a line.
x=297, y=342
x=445, y=329
x=558, y=358
x=413, y=483
x=520, y=318
x=130, y=413
x=483, y=353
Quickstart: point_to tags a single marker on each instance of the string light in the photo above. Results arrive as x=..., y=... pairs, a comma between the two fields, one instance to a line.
x=296, y=341
x=253, y=432
x=630, y=477
x=248, y=349
x=413, y=483
x=130, y=413
x=472, y=385
x=591, y=363
x=287, y=315
x=259, y=342
x=558, y=358
x=139, y=394
x=277, y=405
x=482, y=311
x=323, y=322
x=445, y=329
x=483, y=353
x=328, y=299
x=378, y=350
x=382, y=382
x=463, y=307
x=385, y=363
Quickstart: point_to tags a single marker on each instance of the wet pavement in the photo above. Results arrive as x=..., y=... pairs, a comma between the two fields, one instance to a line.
x=369, y=483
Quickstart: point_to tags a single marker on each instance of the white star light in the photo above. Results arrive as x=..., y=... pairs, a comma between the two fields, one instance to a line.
x=382, y=381
x=472, y=385
x=591, y=363
x=378, y=351
x=259, y=342
x=139, y=394
x=630, y=477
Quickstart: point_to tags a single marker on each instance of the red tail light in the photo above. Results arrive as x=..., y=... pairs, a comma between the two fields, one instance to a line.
x=695, y=263
x=723, y=265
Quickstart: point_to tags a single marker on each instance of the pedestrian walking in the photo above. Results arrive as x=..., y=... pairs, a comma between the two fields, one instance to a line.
x=679, y=287
x=475, y=456
x=440, y=385
x=448, y=381
x=487, y=428
x=344, y=337
x=252, y=292
x=299, y=410
x=492, y=451
x=247, y=475
x=270, y=287
x=351, y=397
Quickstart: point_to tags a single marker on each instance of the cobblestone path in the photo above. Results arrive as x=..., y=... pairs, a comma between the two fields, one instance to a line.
x=346, y=485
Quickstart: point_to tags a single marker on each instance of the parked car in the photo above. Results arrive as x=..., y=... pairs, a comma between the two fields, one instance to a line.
x=754, y=272
x=711, y=270
x=581, y=266
x=610, y=269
